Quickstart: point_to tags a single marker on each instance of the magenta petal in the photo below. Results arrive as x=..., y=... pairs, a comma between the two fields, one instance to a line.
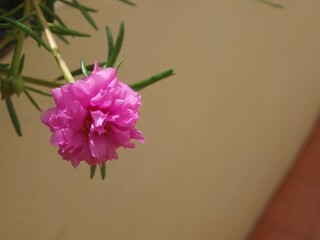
x=101, y=79
x=81, y=92
x=136, y=134
x=77, y=114
x=75, y=162
x=121, y=137
x=98, y=122
x=45, y=117
x=57, y=138
x=111, y=149
x=98, y=118
x=96, y=67
x=97, y=145
x=56, y=93
x=80, y=154
x=74, y=137
x=102, y=99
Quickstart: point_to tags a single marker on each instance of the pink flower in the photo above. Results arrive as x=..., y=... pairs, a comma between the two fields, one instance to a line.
x=93, y=117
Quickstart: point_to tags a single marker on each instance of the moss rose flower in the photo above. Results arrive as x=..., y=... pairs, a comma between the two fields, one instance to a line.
x=93, y=117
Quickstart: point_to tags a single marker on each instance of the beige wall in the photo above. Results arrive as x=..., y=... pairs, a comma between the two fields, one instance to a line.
x=220, y=135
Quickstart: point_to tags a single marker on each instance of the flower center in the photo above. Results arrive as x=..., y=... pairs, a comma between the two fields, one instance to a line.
x=86, y=126
x=107, y=127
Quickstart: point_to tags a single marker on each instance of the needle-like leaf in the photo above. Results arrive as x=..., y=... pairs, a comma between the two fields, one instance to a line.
x=32, y=100
x=28, y=31
x=128, y=2
x=117, y=46
x=92, y=171
x=71, y=4
x=12, y=11
x=37, y=91
x=84, y=69
x=13, y=116
x=60, y=30
x=275, y=5
x=119, y=64
x=51, y=15
x=146, y=82
x=110, y=41
x=62, y=38
x=103, y=171
x=21, y=63
x=40, y=82
x=85, y=13
x=21, y=20
x=50, y=6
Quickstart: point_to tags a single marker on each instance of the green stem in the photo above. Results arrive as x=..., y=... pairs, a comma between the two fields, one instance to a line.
x=15, y=63
x=55, y=50
x=14, y=71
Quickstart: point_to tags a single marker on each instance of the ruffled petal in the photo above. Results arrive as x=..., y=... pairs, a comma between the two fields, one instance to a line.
x=102, y=99
x=120, y=137
x=101, y=79
x=97, y=145
x=98, y=122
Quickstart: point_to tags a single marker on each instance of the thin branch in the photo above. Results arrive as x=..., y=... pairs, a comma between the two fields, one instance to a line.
x=61, y=63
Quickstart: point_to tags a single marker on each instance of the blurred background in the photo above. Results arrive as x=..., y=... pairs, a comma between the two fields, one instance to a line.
x=220, y=135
